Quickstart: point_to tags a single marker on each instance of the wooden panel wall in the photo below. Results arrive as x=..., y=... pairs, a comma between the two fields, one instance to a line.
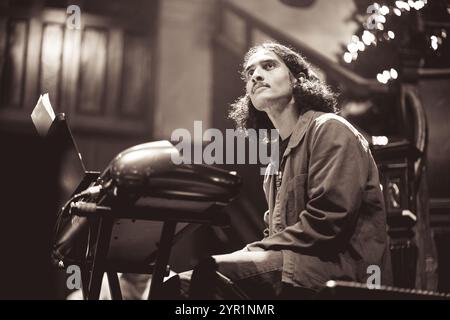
x=14, y=50
x=101, y=75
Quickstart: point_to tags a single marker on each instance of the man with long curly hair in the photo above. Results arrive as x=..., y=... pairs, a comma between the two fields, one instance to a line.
x=326, y=218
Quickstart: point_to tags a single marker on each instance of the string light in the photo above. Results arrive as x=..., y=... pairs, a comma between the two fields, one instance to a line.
x=348, y=57
x=361, y=46
x=352, y=47
x=384, y=10
x=402, y=5
x=387, y=75
x=436, y=41
x=374, y=27
x=381, y=78
x=368, y=38
x=419, y=4
x=394, y=73
x=380, y=140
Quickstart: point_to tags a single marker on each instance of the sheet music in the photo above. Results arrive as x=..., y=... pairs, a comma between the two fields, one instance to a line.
x=43, y=115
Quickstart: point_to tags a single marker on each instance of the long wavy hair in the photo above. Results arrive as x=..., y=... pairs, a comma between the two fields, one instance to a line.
x=309, y=92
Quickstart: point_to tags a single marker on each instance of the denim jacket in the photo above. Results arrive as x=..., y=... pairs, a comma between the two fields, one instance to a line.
x=327, y=213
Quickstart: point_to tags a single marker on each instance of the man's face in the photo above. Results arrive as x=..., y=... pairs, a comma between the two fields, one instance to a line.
x=268, y=80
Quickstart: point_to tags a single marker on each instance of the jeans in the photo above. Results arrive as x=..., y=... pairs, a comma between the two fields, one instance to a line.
x=254, y=274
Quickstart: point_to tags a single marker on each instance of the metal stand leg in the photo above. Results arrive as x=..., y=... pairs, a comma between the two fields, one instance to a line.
x=114, y=286
x=98, y=265
x=84, y=280
x=162, y=259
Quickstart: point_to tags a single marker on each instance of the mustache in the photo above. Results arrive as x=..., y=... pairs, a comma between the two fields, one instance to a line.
x=259, y=85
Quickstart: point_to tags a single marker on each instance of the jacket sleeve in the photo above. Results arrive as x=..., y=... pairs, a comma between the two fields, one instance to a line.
x=337, y=174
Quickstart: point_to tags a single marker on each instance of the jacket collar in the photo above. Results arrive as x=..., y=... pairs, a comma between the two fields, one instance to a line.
x=297, y=135
x=299, y=131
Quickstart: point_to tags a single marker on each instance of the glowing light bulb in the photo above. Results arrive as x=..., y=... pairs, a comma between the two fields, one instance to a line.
x=384, y=10
x=368, y=37
x=380, y=140
x=394, y=73
x=361, y=46
x=434, y=42
x=352, y=47
x=348, y=57
x=381, y=78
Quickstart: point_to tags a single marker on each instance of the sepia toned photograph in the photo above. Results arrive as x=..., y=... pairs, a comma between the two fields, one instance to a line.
x=249, y=151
